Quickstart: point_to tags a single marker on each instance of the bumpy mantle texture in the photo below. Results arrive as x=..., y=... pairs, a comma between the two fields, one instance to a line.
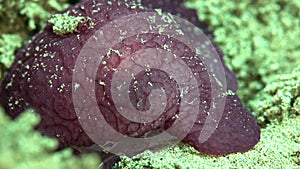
x=41, y=78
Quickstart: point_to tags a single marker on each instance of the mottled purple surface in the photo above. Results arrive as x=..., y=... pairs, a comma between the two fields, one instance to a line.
x=41, y=77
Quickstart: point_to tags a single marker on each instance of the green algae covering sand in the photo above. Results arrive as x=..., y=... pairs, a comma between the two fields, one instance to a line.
x=269, y=153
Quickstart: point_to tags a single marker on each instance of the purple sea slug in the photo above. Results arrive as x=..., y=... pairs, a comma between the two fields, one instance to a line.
x=41, y=78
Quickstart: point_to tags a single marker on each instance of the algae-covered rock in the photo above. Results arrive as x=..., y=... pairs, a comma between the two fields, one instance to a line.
x=258, y=38
x=280, y=98
x=19, y=21
x=23, y=148
x=26, y=16
x=9, y=43
x=65, y=23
